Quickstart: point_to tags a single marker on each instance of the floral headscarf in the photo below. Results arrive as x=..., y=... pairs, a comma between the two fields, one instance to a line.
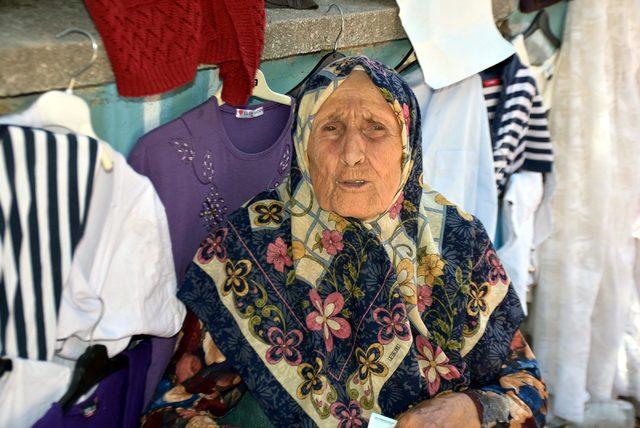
x=328, y=319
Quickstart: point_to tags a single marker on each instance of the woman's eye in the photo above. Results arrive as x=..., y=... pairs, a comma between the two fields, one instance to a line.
x=376, y=128
x=329, y=128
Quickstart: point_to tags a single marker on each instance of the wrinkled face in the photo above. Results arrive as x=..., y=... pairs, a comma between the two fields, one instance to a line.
x=355, y=150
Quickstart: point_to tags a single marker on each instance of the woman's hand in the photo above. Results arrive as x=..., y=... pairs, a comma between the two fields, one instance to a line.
x=452, y=410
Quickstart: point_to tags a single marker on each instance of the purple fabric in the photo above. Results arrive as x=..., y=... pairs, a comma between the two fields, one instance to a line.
x=117, y=402
x=208, y=157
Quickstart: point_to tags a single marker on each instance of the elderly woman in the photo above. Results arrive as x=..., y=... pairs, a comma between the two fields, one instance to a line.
x=353, y=288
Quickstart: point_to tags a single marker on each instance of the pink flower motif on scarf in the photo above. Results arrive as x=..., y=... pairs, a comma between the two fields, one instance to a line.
x=332, y=241
x=496, y=271
x=349, y=416
x=393, y=324
x=437, y=365
x=424, y=297
x=325, y=317
x=284, y=346
x=277, y=255
x=395, y=209
x=407, y=116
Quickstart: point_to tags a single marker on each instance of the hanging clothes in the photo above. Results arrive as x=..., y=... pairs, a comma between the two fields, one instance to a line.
x=586, y=282
x=94, y=259
x=521, y=200
x=27, y=391
x=204, y=165
x=121, y=282
x=519, y=126
x=117, y=402
x=456, y=145
x=543, y=73
x=156, y=46
x=451, y=45
x=627, y=382
x=46, y=183
x=525, y=211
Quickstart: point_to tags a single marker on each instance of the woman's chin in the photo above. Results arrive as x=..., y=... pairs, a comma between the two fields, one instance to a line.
x=357, y=206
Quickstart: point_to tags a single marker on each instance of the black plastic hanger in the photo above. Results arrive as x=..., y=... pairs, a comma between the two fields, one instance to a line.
x=407, y=61
x=541, y=22
x=5, y=366
x=92, y=366
x=325, y=60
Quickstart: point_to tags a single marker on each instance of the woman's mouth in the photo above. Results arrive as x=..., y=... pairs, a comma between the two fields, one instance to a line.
x=352, y=184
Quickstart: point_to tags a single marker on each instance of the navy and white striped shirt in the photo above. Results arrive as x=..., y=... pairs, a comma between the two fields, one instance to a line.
x=46, y=180
x=519, y=126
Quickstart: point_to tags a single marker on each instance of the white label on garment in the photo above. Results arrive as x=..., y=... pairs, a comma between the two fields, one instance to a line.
x=242, y=113
x=379, y=421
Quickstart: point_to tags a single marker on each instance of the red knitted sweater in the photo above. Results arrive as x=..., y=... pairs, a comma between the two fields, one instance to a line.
x=156, y=45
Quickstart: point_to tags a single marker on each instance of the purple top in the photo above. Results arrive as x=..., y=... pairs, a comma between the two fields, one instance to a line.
x=204, y=165
x=117, y=402
x=208, y=162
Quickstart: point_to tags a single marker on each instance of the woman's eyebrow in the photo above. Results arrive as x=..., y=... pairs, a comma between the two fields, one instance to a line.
x=369, y=116
x=335, y=116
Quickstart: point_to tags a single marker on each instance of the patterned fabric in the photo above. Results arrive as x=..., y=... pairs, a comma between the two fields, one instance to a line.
x=46, y=182
x=199, y=383
x=328, y=319
x=518, y=120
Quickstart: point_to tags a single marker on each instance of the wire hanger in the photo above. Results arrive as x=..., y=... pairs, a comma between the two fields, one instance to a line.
x=93, y=366
x=541, y=22
x=325, y=60
x=58, y=109
x=335, y=43
x=94, y=55
x=407, y=61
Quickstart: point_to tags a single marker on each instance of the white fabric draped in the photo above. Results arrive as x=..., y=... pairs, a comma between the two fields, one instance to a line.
x=582, y=305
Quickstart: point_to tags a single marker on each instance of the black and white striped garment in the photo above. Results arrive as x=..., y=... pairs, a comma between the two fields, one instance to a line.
x=518, y=121
x=45, y=187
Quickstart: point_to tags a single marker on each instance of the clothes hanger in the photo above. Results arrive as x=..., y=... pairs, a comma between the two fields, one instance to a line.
x=66, y=110
x=406, y=62
x=5, y=366
x=541, y=22
x=93, y=366
x=261, y=90
x=332, y=56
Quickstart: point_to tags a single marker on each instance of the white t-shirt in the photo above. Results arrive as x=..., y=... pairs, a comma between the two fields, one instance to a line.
x=457, y=154
x=122, y=281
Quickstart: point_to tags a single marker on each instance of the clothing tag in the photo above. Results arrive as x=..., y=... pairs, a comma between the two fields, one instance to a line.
x=242, y=113
x=491, y=82
x=379, y=421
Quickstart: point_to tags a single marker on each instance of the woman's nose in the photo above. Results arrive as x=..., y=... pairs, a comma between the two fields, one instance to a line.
x=353, y=147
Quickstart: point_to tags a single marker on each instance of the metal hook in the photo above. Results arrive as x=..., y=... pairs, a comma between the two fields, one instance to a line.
x=94, y=55
x=335, y=44
x=95, y=326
